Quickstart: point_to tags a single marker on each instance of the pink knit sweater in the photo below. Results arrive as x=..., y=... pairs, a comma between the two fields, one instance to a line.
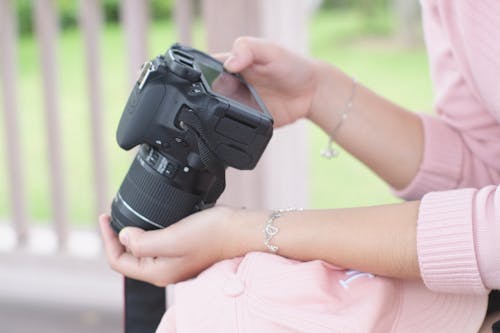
x=458, y=233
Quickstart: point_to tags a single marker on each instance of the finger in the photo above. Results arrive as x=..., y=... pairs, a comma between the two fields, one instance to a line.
x=142, y=243
x=222, y=57
x=112, y=245
x=157, y=271
x=249, y=50
x=123, y=262
x=144, y=268
x=115, y=251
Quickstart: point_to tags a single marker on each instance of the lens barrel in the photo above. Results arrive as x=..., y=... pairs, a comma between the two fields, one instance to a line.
x=148, y=197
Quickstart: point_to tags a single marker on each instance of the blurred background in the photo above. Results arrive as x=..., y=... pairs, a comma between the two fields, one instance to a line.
x=67, y=68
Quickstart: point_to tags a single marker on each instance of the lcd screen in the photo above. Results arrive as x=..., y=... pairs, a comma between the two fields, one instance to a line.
x=229, y=86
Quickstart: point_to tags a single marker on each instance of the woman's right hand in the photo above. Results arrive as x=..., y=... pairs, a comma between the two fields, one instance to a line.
x=286, y=81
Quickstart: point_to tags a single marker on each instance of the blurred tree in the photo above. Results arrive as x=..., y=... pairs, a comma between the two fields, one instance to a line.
x=407, y=21
x=371, y=17
x=24, y=18
x=368, y=7
x=161, y=9
x=68, y=12
x=336, y=3
x=111, y=10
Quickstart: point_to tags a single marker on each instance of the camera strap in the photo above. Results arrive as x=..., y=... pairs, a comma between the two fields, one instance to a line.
x=145, y=305
x=208, y=158
x=220, y=180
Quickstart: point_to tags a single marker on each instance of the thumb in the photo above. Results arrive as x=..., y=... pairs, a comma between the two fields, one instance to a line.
x=142, y=243
x=247, y=51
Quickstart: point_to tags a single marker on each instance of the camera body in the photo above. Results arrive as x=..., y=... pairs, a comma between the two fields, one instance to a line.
x=192, y=119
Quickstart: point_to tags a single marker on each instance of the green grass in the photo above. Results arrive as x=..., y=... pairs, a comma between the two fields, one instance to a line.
x=362, y=48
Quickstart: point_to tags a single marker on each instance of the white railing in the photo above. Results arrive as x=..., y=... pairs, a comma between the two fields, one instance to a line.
x=60, y=264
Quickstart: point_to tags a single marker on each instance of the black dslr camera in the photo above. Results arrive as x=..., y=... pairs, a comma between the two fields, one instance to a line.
x=192, y=119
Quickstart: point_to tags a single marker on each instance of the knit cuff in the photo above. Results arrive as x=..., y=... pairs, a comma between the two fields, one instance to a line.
x=440, y=168
x=445, y=243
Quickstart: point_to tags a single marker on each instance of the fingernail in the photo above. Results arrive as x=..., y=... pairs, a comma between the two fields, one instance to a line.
x=123, y=236
x=230, y=62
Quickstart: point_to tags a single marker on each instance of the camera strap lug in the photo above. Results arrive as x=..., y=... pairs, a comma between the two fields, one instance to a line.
x=147, y=68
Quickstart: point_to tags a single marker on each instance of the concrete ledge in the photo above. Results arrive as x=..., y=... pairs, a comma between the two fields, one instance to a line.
x=20, y=317
x=58, y=293
x=59, y=280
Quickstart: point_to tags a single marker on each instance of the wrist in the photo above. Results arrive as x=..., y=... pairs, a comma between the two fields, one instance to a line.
x=333, y=88
x=244, y=234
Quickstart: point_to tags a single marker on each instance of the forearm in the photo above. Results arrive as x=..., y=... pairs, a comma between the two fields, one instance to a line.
x=378, y=239
x=384, y=136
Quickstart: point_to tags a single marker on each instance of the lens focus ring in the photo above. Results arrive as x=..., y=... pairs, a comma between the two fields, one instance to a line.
x=149, y=197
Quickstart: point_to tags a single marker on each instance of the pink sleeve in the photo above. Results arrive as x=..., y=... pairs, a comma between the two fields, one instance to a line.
x=458, y=240
x=449, y=162
x=462, y=145
x=458, y=232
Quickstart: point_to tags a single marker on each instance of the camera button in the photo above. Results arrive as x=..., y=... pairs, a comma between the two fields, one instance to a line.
x=196, y=89
x=170, y=170
x=181, y=142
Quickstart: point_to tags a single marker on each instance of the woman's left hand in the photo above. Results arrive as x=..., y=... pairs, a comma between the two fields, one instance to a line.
x=175, y=253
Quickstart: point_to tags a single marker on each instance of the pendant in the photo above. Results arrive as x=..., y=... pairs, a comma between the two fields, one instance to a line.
x=329, y=152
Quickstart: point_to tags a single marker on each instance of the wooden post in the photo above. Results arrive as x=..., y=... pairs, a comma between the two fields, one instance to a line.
x=183, y=17
x=281, y=178
x=8, y=78
x=226, y=20
x=285, y=179
x=91, y=22
x=135, y=20
x=46, y=24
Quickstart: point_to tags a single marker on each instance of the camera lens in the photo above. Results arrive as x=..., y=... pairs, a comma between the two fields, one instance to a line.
x=156, y=192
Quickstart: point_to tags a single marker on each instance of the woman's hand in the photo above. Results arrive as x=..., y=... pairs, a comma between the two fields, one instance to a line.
x=285, y=80
x=175, y=253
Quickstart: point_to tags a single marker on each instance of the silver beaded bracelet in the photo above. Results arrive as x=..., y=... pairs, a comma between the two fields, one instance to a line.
x=270, y=230
x=329, y=152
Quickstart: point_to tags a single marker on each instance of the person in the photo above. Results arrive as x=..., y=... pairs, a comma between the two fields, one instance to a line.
x=446, y=167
